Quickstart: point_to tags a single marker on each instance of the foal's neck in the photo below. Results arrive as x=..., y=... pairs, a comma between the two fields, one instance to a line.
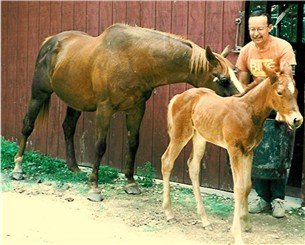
x=258, y=99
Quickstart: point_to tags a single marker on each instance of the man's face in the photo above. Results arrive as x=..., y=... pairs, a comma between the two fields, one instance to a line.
x=259, y=29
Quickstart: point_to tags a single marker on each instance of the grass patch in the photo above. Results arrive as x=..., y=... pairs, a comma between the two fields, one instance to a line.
x=39, y=167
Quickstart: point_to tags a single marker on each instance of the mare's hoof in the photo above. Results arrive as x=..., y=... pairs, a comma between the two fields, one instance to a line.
x=172, y=221
x=74, y=169
x=95, y=197
x=17, y=175
x=132, y=189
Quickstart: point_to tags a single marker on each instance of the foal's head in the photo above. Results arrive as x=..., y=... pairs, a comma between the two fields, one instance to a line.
x=283, y=96
x=220, y=75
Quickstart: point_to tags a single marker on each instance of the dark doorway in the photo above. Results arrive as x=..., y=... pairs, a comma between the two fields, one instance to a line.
x=290, y=20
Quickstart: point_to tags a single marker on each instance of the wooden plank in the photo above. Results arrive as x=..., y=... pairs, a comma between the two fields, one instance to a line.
x=133, y=13
x=88, y=135
x=145, y=150
x=44, y=29
x=117, y=130
x=179, y=27
x=105, y=20
x=80, y=24
x=54, y=126
x=11, y=91
x=161, y=95
x=22, y=52
x=231, y=11
x=33, y=46
x=196, y=28
x=106, y=14
x=4, y=67
x=214, y=25
x=67, y=23
x=213, y=38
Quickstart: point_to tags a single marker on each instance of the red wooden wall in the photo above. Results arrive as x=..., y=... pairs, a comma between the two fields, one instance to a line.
x=26, y=24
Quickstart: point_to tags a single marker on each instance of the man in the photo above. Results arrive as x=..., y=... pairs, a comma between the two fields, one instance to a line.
x=274, y=53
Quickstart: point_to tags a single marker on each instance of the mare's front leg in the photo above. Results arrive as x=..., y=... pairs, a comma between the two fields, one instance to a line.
x=69, y=126
x=103, y=116
x=133, y=122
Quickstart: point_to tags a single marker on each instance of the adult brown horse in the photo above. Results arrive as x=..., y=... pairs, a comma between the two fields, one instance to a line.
x=234, y=123
x=116, y=71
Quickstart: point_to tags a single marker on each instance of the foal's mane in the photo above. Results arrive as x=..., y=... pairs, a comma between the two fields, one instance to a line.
x=250, y=87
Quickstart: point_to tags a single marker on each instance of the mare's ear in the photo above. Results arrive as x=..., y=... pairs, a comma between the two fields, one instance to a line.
x=211, y=57
x=270, y=73
x=225, y=52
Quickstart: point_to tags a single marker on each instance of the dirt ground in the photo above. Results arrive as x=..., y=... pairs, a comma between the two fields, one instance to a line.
x=44, y=213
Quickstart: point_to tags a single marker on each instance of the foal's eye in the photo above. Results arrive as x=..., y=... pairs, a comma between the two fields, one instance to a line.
x=279, y=92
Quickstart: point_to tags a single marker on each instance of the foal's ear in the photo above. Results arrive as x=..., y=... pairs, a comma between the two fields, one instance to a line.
x=286, y=69
x=211, y=57
x=270, y=73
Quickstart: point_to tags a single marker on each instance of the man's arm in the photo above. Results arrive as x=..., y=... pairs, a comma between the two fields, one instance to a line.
x=244, y=77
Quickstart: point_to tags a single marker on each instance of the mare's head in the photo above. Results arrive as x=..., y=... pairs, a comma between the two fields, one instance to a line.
x=219, y=75
x=284, y=96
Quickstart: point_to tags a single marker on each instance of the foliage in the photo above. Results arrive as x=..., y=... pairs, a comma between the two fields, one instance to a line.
x=146, y=175
x=39, y=167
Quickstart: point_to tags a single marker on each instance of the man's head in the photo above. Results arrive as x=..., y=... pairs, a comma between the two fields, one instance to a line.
x=259, y=27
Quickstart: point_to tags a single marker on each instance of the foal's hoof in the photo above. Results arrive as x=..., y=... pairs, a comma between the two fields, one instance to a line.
x=208, y=227
x=95, y=197
x=132, y=189
x=248, y=228
x=17, y=175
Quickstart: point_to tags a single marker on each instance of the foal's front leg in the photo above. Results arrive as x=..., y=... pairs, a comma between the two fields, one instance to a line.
x=239, y=191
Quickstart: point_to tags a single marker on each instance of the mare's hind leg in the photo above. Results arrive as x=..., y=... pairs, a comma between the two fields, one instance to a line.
x=69, y=126
x=133, y=122
x=36, y=104
x=194, y=169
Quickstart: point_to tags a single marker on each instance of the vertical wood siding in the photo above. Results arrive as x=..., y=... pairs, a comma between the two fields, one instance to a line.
x=26, y=24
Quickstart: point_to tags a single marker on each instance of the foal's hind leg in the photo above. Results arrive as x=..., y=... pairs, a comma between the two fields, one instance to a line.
x=69, y=126
x=168, y=160
x=36, y=104
x=194, y=169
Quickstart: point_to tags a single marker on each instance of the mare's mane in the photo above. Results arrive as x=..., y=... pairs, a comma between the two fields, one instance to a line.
x=198, y=62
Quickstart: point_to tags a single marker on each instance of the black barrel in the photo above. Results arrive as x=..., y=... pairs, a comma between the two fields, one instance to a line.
x=272, y=157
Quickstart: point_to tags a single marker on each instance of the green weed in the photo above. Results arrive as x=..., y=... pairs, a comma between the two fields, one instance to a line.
x=146, y=175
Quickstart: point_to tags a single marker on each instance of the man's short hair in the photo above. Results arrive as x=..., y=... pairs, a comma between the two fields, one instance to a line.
x=261, y=12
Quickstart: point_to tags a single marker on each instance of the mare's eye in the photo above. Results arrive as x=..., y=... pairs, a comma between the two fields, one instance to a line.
x=279, y=92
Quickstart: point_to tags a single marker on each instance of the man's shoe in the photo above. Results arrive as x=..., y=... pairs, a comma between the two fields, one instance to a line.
x=278, y=208
x=258, y=205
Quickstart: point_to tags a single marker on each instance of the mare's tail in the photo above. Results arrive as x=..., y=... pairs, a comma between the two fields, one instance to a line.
x=44, y=112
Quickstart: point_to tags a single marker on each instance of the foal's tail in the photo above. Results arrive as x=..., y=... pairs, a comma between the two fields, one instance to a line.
x=44, y=112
